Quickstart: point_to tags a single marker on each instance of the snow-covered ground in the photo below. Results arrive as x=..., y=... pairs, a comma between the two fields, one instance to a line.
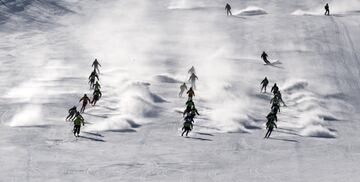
x=145, y=48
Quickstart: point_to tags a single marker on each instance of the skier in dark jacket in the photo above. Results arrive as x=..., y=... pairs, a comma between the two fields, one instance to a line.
x=270, y=126
x=96, y=65
x=77, y=124
x=190, y=104
x=97, y=86
x=264, y=84
x=228, y=9
x=96, y=97
x=190, y=93
x=274, y=89
x=264, y=56
x=188, y=125
x=327, y=9
x=275, y=108
x=92, y=78
x=72, y=112
x=85, y=100
x=279, y=97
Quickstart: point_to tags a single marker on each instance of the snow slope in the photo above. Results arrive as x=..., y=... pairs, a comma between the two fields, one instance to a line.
x=146, y=49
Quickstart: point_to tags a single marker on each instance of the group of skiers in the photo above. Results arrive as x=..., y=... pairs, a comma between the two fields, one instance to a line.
x=228, y=9
x=190, y=112
x=275, y=106
x=74, y=115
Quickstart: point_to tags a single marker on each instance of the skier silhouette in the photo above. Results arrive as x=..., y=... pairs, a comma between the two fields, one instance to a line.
x=274, y=89
x=264, y=56
x=270, y=124
x=190, y=93
x=228, y=9
x=72, y=112
x=264, y=84
x=188, y=125
x=275, y=108
x=96, y=65
x=190, y=104
x=85, y=100
x=93, y=76
x=77, y=124
x=191, y=70
x=97, y=86
x=327, y=9
x=279, y=97
x=96, y=97
x=183, y=87
x=192, y=80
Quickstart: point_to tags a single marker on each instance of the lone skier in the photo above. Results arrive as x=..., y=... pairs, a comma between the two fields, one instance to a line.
x=85, y=100
x=264, y=84
x=190, y=93
x=274, y=89
x=96, y=97
x=183, y=87
x=264, y=56
x=192, y=80
x=191, y=70
x=96, y=65
x=77, y=125
x=228, y=9
x=327, y=9
x=72, y=112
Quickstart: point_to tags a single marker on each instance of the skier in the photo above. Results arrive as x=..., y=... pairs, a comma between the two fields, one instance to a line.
x=193, y=79
x=190, y=93
x=264, y=84
x=327, y=9
x=191, y=70
x=228, y=9
x=92, y=78
x=279, y=97
x=190, y=104
x=275, y=108
x=188, y=126
x=97, y=86
x=193, y=112
x=77, y=124
x=72, y=112
x=270, y=126
x=264, y=57
x=96, y=97
x=272, y=116
x=85, y=99
x=96, y=65
x=274, y=89
x=183, y=87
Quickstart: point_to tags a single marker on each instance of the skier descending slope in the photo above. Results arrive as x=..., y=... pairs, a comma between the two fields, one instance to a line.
x=190, y=93
x=85, y=100
x=270, y=124
x=327, y=9
x=188, y=125
x=97, y=86
x=264, y=56
x=183, y=87
x=92, y=78
x=264, y=84
x=77, y=124
x=228, y=9
x=279, y=97
x=96, y=65
x=192, y=80
x=96, y=96
x=72, y=112
x=274, y=89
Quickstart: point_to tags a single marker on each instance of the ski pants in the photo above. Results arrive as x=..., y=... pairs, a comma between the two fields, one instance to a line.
x=77, y=129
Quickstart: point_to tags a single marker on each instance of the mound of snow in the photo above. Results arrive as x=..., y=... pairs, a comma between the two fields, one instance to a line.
x=31, y=115
x=300, y=12
x=317, y=131
x=251, y=11
x=294, y=85
x=116, y=123
x=166, y=79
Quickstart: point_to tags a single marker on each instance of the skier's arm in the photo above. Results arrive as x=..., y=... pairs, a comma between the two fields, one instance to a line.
x=81, y=99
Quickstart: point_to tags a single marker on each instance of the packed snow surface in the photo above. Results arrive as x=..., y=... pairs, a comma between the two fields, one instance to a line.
x=145, y=49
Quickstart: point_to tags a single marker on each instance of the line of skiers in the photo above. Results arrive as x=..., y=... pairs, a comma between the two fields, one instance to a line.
x=190, y=112
x=74, y=115
x=275, y=106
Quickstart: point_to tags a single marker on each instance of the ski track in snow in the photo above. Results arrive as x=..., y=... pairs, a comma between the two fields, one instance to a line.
x=145, y=51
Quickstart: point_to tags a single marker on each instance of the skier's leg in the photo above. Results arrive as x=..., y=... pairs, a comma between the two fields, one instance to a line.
x=78, y=130
x=267, y=132
x=74, y=130
x=187, y=132
x=270, y=131
x=182, y=134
